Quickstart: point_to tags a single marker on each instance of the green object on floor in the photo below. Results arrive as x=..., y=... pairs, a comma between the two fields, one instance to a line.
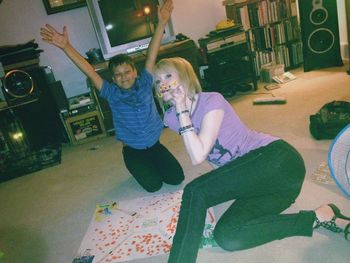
x=2, y=255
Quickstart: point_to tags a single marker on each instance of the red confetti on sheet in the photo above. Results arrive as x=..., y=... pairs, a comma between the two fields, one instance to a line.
x=132, y=229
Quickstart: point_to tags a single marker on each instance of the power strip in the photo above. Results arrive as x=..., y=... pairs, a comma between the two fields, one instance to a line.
x=270, y=100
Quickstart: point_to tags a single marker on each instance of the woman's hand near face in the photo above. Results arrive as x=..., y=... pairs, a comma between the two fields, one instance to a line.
x=179, y=97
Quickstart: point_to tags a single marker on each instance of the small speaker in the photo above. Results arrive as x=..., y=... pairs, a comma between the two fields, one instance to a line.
x=320, y=34
x=19, y=87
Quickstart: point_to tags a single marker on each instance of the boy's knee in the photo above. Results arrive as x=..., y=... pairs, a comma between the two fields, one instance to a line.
x=151, y=188
x=175, y=180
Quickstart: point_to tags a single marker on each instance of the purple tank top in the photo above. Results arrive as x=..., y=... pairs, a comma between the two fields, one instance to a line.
x=234, y=140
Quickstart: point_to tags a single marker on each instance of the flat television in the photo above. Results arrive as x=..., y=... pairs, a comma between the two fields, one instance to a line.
x=125, y=26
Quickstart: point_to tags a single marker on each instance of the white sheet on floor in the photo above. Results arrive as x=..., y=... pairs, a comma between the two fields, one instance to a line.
x=134, y=229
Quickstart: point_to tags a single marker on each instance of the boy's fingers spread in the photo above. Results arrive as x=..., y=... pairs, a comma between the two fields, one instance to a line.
x=46, y=39
x=65, y=30
x=50, y=27
x=42, y=29
x=168, y=4
x=44, y=34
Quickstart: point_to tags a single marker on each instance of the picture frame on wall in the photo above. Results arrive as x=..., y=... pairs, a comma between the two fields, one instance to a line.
x=55, y=6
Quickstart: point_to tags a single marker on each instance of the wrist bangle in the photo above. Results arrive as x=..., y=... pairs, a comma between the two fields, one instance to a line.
x=182, y=112
x=185, y=128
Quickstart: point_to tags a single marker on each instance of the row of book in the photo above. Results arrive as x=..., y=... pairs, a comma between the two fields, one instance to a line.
x=272, y=28
x=275, y=34
x=289, y=55
x=263, y=13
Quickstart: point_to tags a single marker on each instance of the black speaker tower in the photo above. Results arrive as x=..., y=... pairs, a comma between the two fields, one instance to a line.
x=320, y=34
x=38, y=110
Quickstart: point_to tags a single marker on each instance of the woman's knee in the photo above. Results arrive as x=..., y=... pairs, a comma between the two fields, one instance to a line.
x=190, y=188
x=191, y=192
x=227, y=239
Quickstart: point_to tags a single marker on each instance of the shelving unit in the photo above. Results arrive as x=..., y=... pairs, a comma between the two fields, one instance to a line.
x=229, y=61
x=273, y=30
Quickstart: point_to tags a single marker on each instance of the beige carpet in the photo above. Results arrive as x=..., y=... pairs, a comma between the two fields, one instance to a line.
x=44, y=215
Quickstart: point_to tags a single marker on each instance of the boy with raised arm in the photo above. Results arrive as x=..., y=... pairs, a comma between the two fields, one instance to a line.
x=135, y=117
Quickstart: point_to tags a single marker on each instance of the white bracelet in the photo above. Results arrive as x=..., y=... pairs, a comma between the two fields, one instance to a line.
x=186, y=130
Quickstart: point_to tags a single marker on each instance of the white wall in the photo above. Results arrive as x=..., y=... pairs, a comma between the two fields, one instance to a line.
x=195, y=18
x=343, y=34
x=20, y=21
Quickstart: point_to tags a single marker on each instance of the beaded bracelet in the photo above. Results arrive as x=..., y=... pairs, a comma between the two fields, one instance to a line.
x=185, y=129
x=182, y=112
x=188, y=130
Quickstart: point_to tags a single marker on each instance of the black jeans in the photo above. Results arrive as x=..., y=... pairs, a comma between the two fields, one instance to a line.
x=153, y=166
x=263, y=183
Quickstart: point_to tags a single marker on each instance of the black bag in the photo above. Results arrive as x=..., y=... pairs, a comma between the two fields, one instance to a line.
x=330, y=120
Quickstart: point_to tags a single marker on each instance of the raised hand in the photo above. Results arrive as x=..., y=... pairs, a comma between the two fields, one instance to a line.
x=164, y=12
x=51, y=36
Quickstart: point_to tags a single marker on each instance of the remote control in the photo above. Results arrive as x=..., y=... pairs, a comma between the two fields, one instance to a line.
x=270, y=100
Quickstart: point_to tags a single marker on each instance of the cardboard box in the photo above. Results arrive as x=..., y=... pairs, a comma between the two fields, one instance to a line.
x=268, y=71
x=85, y=127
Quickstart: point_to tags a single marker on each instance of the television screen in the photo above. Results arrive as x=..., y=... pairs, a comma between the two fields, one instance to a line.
x=125, y=26
x=127, y=21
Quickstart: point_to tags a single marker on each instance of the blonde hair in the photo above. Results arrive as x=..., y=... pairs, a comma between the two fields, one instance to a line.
x=188, y=78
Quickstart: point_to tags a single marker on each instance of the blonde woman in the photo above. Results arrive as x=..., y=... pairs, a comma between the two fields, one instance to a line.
x=262, y=173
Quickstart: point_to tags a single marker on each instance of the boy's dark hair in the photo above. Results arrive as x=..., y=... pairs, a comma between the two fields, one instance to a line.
x=119, y=60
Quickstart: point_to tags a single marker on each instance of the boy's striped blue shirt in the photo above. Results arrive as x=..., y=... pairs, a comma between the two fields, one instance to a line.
x=135, y=117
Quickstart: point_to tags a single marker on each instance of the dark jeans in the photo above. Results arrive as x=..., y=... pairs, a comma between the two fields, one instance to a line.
x=153, y=166
x=263, y=183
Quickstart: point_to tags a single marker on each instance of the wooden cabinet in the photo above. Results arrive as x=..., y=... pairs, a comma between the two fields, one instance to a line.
x=229, y=61
x=85, y=127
